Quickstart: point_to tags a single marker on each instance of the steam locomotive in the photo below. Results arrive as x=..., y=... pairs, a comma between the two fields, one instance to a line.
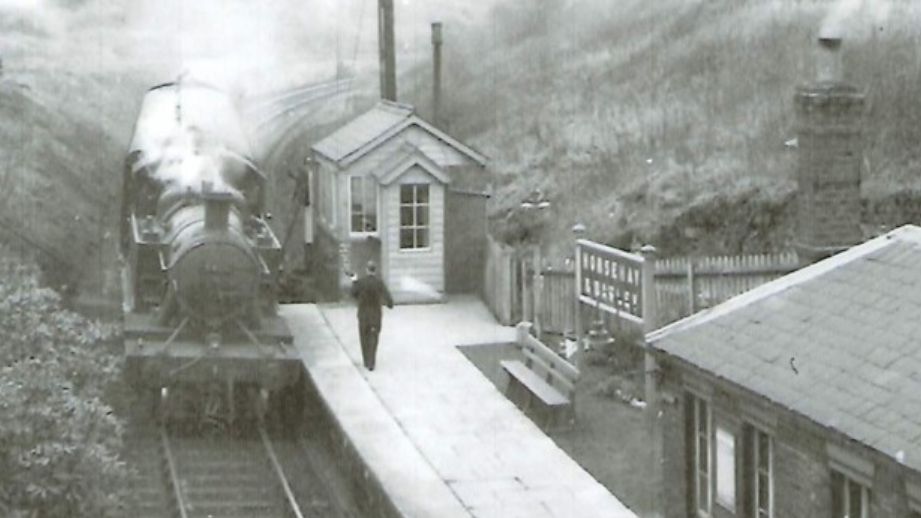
x=202, y=335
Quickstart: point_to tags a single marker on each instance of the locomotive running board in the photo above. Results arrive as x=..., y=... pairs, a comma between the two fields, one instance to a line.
x=274, y=329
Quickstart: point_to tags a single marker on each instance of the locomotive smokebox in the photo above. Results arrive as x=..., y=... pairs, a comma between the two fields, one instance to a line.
x=217, y=209
x=828, y=60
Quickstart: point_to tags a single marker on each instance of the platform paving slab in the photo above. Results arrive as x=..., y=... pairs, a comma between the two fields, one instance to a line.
x=491, y=457
x=411, y=482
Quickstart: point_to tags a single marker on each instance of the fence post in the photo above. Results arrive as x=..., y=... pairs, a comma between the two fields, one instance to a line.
x=537, y=289
x=692, y=287
x=650, y=378
x=522, y=332
x=577, y=230
x=648, y=287
x=524, y=279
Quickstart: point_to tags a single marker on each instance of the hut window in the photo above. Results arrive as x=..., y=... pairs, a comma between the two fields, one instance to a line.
x=363, y=205
x=414, y=216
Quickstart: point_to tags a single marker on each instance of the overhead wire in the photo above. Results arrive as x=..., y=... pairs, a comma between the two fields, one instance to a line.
x=348, y=105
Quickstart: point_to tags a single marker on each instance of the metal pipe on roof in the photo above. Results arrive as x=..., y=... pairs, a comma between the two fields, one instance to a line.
x=436, y=80
x=386, y=46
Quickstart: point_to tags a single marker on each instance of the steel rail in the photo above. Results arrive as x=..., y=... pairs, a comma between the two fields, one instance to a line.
x=173, y=473
x=276, y=466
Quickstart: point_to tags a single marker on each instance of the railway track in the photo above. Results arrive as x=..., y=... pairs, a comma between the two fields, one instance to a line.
x=253, y=474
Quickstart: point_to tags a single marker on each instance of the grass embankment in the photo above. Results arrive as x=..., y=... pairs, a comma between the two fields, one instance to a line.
x=643, y=119
x=66, y=118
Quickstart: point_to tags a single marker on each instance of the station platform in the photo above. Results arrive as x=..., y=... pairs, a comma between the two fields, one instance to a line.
x=436, y=433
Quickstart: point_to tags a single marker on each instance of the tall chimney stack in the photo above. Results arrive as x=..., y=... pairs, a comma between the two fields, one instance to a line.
x=436, y=79
x=386, y=44
x=828, y=117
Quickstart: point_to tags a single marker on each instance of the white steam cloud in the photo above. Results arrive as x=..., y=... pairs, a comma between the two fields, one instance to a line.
x=853, y=18
x=243, y=46
x=188, y=160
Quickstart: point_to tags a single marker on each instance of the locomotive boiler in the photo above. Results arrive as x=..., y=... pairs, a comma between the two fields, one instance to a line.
x=202, y=333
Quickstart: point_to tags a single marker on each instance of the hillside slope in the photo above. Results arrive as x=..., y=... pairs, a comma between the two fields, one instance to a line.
x=64, y=126
x=666, y=121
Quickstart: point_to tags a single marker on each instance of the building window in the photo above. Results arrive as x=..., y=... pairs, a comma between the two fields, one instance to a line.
x=759, y=467
x=702, y=455
x=850, y=499
x=414, y=216
x=363, y=205
x=725, y=468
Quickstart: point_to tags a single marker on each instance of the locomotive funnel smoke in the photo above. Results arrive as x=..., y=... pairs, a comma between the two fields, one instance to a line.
x=188, y=161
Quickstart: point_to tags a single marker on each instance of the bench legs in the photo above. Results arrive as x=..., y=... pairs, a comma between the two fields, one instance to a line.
x=547, y=417
x=517, y=393
x=554, y=418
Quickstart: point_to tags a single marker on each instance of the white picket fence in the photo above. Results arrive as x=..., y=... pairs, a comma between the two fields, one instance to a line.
x=684, y=285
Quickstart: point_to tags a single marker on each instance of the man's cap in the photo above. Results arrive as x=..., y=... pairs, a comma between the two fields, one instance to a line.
x=372, y=267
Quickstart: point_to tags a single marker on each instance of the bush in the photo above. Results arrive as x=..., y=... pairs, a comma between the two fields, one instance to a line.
x=59, y=439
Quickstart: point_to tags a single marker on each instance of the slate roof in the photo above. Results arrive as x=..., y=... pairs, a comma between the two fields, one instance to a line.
x=372, y=128
x=838, y=342
x=362, y=130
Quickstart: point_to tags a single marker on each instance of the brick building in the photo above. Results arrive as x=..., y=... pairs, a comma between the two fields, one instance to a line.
x=801, y=398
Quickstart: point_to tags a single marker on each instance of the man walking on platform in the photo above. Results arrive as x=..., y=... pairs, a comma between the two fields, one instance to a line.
x=371, y=293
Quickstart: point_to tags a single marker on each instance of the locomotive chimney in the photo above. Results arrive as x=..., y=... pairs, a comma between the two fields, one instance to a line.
x=828, y=117
x=217, y=207
x=436, y=79
x=385, y=41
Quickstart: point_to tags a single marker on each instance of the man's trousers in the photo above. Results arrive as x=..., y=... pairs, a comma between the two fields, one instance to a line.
x=368, y=334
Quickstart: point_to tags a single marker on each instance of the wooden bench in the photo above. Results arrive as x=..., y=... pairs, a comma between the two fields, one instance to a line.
x=543, y=384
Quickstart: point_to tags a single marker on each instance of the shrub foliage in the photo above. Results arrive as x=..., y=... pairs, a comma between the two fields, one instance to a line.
x=59, y=439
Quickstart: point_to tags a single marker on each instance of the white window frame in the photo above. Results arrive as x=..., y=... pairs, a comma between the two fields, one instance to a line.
x=756, y=508
x=725, y=479
x=706, y=434
x=326, y=200
x=377, y=206
x=414, y=204
x=864, y=511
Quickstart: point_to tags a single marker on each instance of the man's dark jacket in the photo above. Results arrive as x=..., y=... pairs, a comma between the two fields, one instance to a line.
x=371, y=293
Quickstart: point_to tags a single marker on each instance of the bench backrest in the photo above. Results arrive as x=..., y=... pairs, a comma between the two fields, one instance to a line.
x=547, y=364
